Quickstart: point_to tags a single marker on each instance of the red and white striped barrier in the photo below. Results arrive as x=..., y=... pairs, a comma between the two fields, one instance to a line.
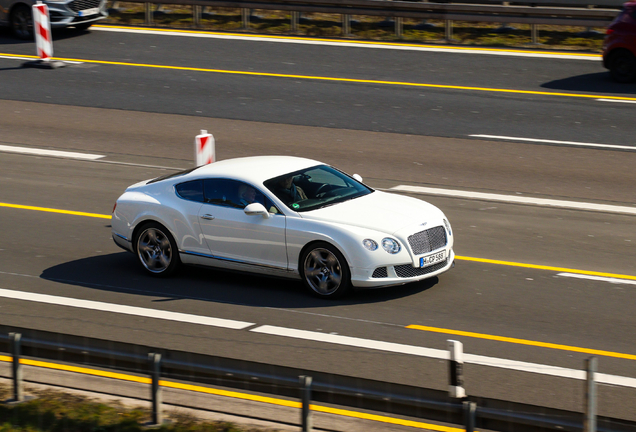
x=42, y=29
x=43, y=39
x=204, y=151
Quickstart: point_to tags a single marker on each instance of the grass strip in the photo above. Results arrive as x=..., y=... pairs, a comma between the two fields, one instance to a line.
x=56, y=411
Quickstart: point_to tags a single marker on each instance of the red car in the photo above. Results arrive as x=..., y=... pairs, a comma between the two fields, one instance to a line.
x=619, y=47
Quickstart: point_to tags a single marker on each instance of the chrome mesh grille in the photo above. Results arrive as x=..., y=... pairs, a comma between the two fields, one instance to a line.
x=79, y=5
x=408, y=271
x=427, y=240
x=380, y=272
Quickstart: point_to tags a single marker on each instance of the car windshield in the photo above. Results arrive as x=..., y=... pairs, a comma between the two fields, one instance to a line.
x=315, y=187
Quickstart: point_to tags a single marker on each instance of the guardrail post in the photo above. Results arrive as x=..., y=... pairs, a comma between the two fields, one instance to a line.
x=245, y=18
x=14, y=341
x=196, y=15
x=305, y=395
x=148, y=9
x=295, y=19
x=346, y=24
x=534, y=34
x=589, y=422
x=470, y=411
x=399, y=21
x=456, y=368
x=155, y=392
x=448, y=30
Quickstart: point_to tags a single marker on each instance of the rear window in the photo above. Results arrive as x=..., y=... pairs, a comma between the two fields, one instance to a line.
x=191, y=191
x=173, y=175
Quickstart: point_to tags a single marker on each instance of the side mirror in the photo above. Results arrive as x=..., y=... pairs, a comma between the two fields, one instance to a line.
x=357, y=177
x=256, y=209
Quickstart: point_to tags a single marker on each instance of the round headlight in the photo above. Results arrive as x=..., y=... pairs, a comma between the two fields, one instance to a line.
x=390, y=245
x=370, y=244
x=448, y=228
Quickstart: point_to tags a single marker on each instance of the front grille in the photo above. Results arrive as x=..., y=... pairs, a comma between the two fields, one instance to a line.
x=380, y=272
x=408, y=271
x=427, y=240
x=80, y=5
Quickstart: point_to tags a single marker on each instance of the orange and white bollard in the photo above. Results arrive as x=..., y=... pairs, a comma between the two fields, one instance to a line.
x=204, y=151
x=43, y=38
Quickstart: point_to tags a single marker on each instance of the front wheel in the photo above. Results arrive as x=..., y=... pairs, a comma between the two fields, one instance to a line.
x=623, y=66
x=325, y=271
x=22, y=22
x=156, y=250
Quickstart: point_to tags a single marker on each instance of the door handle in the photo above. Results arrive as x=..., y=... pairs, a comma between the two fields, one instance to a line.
x=207, y=217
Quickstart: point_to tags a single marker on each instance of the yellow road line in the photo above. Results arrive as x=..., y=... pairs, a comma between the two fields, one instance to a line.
x=236, y=395
x=342, y=41
x=461, y=258
x=51, y=210
x=523, y=342
x=86, y=371
x=542, y=267
x=384, y=419
x=348, y=80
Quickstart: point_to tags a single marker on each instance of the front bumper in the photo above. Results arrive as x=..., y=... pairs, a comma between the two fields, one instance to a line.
x=64, y=14
x=399, y=274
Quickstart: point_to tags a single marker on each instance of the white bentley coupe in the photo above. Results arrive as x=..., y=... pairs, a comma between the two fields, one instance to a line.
x=283, y=216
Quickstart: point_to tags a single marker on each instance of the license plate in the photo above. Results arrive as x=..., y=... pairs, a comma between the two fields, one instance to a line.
x=431, y=259
x=88, y=12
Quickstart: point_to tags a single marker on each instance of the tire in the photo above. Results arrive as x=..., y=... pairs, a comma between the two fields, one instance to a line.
x=83, y=26
x=622, y=66
x=21, y=21
x=325, y=271
x=156, y=250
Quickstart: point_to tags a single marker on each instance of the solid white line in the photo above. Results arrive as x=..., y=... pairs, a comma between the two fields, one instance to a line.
x=301, y=41
x=615, y=100
x=32, y=59
x=598, y=278
x=606, y=208
x=546, y=141
x=123, y=309
x=352, y=341
x=443, y=355
x=54, y=153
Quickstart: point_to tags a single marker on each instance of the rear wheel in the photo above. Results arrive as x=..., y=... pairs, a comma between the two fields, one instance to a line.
x=325, y=271
x=22, y=22
x=623, y=66
x=156, y=249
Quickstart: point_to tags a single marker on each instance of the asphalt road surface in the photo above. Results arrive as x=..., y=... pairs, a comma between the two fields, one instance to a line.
x=143, y=120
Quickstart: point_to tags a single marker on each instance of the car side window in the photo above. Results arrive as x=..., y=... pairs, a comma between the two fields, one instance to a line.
x=233, y=193
x=191, y=191
x=222, y=192
x=249, y=194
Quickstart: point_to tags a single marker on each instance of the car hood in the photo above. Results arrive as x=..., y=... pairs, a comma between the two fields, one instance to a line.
x=379, y=211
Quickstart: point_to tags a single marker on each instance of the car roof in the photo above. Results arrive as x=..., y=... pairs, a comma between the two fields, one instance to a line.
x=255, y=169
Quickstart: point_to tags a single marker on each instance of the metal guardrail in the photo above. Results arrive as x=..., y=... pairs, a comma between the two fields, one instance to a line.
x=583, y=13
x=396, y=399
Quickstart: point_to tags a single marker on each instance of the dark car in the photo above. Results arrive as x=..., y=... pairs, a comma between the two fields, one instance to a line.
x=80, y=14
x=619, y=47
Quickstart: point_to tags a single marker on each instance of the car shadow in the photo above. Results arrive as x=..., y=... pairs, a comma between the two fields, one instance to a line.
x=119, y=272
x=599, y=82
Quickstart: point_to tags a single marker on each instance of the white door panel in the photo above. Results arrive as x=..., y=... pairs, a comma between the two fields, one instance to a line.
x=231, y=234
